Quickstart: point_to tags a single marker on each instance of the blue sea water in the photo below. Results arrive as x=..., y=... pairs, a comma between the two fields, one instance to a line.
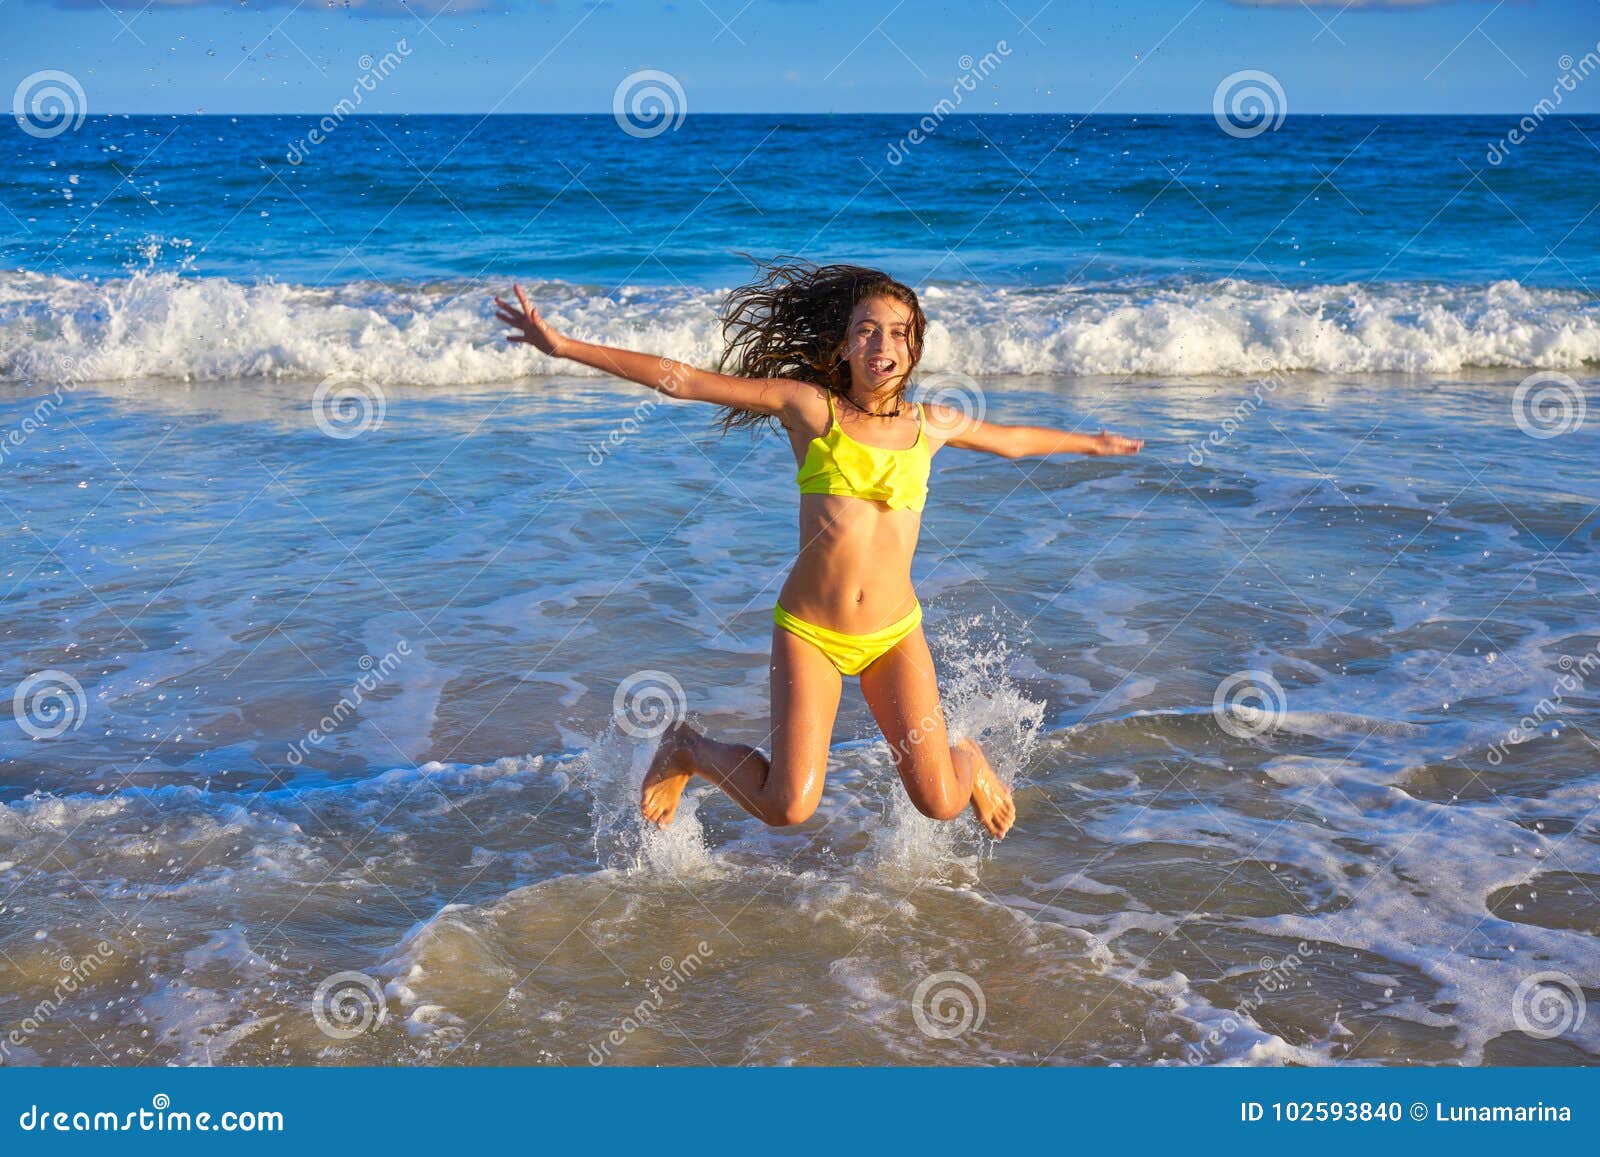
x=1104, y=244
x=1009, y=201
x=1300, y=703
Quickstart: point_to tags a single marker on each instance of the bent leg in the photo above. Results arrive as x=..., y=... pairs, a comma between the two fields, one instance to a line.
x=940, y=779
x=785, y=789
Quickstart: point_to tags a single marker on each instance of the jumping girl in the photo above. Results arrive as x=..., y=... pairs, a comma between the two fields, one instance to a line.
x=827, y=353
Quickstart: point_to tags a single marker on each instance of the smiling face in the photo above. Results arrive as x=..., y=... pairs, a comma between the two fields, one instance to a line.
x=878, y=345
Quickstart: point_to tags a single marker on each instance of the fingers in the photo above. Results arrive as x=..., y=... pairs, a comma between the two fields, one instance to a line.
x=1117, y=444
x=522, y=297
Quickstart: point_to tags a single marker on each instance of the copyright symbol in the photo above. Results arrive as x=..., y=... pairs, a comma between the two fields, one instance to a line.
x=1419, y=1111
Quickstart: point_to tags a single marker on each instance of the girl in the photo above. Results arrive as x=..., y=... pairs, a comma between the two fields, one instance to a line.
x=827, y=353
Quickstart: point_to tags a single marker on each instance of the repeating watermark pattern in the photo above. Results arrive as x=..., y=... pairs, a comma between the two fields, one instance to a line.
x=375, y=673
x=1275, y=978
x=1548, y=404
x=648, y=103
x=972, y=71
x=1249, y=703
x=1575, y=674
x=348, y=1004
x=346, y=409
x=47, y=703
x=75, y=973
x=1573, y=73
x=647, y=703
x=947, y=1005
x=674, y=374
x=1547, y=1004
x=372, y=71
x=955, y=391
x=1241, y=413
x=36, y=419
x=675, y=974
x=1249, y=103
x=49, y=103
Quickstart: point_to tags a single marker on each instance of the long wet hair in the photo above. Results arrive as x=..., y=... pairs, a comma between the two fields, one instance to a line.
x=793, y=322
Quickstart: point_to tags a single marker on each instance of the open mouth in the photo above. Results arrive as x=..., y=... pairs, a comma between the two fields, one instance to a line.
x=881, y=366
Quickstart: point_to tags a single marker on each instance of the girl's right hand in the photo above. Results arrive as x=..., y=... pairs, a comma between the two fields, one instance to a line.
x=531, y=328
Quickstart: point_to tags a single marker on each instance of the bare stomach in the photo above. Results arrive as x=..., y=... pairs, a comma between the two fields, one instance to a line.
x=853, y=573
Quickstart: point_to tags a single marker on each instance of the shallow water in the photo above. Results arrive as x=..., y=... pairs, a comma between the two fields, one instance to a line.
x=1359, y=870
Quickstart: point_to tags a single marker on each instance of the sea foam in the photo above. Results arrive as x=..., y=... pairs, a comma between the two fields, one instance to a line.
x=157, y=325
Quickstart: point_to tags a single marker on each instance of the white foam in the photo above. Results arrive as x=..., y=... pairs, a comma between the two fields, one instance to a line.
x=165, y=326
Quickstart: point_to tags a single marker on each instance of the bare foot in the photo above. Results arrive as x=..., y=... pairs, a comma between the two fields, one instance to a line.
x=671, y=769
x=991, y=799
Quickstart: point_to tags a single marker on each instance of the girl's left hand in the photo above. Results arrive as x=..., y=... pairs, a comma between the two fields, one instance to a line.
x=1107, y=443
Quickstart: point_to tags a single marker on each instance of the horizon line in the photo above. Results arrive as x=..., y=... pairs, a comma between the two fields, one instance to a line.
x=607, y=113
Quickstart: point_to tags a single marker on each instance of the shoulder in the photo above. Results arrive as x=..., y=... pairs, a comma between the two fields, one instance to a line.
x=965, y=429
x=945, y=422
x=806, y=409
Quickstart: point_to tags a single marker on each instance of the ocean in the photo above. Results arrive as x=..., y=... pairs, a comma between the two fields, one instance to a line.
x=328, y=612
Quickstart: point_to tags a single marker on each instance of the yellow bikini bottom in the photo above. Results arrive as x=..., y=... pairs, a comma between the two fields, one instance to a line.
x=852, y=654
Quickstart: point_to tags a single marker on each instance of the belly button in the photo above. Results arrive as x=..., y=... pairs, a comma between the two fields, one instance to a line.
x=860, y=595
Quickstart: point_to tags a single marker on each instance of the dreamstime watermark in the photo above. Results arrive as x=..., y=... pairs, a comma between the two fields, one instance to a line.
x=1548, y=404
x=1573, y=73
x=372, y=71
x=648, y=103
x=972, y=71
x=1249, y=703
x=1218, y=437
x=947, y=1005
x=345, y=409
x=48, y=103
x=956, y=392
x=348, y=1004
x=375, y=673
x=36, y=419
x=1575, y=676
x=1249, y=103
x=675, y=975
x=1275, y=979
x=160, y=1117
x=75, y=972
x=647, y=703
x=674, y=375
x=1547, y=1004
x=47, y=703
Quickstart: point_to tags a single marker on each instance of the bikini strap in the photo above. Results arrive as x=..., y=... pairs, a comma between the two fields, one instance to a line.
x=832, y=419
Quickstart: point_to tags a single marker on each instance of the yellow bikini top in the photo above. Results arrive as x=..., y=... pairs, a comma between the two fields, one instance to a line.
x=837, y=464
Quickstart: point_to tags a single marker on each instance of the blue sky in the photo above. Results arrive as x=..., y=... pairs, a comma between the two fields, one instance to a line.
x=245, y=56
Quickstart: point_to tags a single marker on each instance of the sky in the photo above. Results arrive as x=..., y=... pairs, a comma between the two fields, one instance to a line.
x=520, y=56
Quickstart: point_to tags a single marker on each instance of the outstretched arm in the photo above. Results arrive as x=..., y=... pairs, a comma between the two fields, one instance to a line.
x=667, y=375
x=969, y=433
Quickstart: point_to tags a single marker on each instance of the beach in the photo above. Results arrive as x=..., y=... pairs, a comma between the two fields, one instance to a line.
x=340, y=632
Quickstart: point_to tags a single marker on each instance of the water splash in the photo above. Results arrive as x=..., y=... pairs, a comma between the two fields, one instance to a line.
x=982, y=703
x=610, y=770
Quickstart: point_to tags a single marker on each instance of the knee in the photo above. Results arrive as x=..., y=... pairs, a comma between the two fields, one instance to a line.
x=942, y=810
x=787, y=813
